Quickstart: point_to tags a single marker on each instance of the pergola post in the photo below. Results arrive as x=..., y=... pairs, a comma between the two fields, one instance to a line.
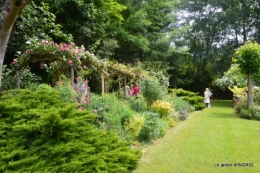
x=17, y=79
x=72, y=75
x=124, y=86
x=102, y=83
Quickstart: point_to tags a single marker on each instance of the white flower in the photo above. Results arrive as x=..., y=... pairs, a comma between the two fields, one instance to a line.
x=28, y=42
x=18, y=52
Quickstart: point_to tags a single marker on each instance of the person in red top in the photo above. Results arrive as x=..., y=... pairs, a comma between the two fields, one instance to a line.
x=135, y=90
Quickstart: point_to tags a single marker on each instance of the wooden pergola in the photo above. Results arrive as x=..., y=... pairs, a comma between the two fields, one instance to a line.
x=106, y=68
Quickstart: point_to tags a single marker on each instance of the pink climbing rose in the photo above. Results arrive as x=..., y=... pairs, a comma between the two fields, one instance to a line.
x=70, y=61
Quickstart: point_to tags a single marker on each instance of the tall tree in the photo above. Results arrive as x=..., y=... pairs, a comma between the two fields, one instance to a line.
x=248, y=59
x=218, y=27
x=9, y=11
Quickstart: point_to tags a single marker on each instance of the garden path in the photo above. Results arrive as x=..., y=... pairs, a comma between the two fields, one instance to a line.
x=214, y=140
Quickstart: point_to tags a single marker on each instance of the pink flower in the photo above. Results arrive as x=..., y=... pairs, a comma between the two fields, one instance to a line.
x=27, y=51
x=15, y=60
x=84, y=66
x=70, y=61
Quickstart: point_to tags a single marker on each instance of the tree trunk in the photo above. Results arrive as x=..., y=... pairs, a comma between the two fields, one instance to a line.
x=9, y=11
x=249, y=93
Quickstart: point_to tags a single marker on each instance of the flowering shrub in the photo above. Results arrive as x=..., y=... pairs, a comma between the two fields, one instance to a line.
x=232, y=77
x=163, y=108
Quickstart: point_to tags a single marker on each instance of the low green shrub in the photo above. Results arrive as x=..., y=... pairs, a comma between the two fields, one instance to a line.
x=255, y=112
x=138, y=105
x=245, y=113
x=199, y=106
x=181, y=92
x=183, y=115
x=242, y=104
x=41, y=133
x=112, y=113
x=154, y=127
x=194, y=100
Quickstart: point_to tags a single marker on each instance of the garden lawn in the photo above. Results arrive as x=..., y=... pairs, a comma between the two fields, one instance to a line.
x=204, y=142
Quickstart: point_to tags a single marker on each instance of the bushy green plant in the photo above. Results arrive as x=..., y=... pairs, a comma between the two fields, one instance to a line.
x=255, y=111
x=242, y=104
x=163, y=108
x=139, y=105
x=114, y=116
x=134, y=125
x=257, y=98
x=199, y=106
x=153, y=128
x=41, y=133
x=152, y=90
x=183, y=115
x=67, y=92
x=181, y=106
x=245, y=113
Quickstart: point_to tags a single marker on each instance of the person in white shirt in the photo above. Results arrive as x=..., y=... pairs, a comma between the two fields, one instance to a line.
x=207, y=95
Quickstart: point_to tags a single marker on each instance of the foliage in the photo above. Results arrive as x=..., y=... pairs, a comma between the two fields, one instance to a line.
x=257, y=98
x=199, y=106
x=151, y=89
x=36, y=21
x=192, y=98
x=238, y=92
x=245, y=113
x=153, y=128
x=26, y=79
x=163, y=108
x=248, y=58
x=97, y=23
x=67, y=92
x=233, y=77
x=181, y=92
x=40, y=133
x=134, y=125
x=112, y=113
x=255, y=112
x=171, y=122
x=138, y=105
x=240, y=105
x=158, y=69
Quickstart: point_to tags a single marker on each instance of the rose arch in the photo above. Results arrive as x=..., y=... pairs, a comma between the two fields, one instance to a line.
x=62, y=58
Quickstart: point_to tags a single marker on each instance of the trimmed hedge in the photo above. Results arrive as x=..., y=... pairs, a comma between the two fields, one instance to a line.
x=191, y=97
x=40, y=133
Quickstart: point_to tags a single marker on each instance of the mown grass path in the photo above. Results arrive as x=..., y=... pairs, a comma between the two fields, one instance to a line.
x=204, y=142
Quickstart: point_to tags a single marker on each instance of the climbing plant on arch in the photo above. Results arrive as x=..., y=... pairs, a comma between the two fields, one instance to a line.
x=61, y=58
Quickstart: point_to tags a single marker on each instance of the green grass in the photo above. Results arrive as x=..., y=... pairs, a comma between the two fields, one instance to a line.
x=209, y=137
